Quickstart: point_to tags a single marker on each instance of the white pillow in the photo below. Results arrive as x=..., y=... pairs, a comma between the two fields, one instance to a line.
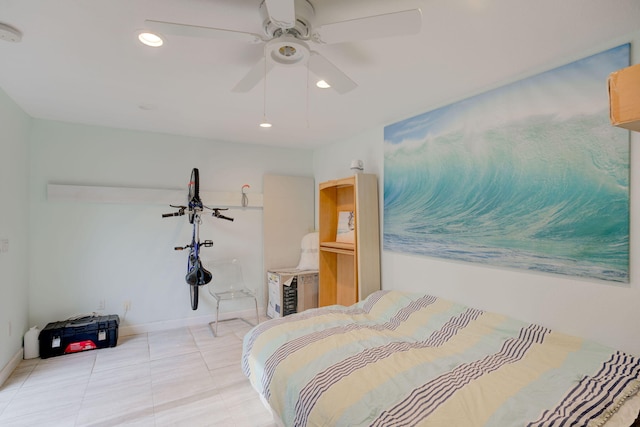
x=309, y=252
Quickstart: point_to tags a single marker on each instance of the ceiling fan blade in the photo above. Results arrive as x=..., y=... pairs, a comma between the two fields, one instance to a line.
x=253, y=77
x=404, y=23
x=281, y=12
x=175, y=29
x=324, y=69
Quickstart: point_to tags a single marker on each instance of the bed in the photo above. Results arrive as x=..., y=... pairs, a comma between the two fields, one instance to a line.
x=404, y=359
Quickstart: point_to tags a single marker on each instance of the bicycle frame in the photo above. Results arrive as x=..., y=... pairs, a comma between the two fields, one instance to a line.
x=195, y=209
x=194, y=252
x=196, y=274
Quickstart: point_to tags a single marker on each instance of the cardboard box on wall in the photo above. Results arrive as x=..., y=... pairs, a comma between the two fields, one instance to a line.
x=624, y=98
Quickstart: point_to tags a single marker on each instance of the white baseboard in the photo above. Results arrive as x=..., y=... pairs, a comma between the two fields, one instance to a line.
x=8, y=369
x=143, y=328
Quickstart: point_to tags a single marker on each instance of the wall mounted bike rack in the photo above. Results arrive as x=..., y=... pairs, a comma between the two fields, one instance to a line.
x=148, y=196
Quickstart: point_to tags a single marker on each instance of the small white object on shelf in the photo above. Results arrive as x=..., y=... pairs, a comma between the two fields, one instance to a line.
x=357, y=166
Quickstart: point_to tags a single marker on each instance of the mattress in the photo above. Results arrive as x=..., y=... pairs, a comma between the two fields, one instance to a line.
x=404, y=359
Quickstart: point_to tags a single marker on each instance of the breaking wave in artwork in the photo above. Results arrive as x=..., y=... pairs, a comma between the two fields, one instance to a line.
x=542, y=193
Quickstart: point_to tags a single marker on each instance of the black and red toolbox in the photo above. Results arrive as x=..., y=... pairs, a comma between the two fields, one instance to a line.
x=80, y=334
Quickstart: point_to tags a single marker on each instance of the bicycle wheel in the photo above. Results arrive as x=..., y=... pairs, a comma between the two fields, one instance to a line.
x=193, y=278
x=194, y=192
x=193, y=289
x=194, y=184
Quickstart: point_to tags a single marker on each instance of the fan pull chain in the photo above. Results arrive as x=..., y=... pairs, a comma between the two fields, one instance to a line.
x=307, y=98
x=264, y=98
x=265, y=123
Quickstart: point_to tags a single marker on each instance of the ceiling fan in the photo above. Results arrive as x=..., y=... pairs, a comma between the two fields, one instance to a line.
x=289, y=29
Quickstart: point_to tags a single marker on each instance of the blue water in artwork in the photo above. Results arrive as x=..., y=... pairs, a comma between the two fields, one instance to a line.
x=540, y=185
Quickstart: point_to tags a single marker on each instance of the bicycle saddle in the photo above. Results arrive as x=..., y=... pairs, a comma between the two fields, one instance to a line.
x=198, y=275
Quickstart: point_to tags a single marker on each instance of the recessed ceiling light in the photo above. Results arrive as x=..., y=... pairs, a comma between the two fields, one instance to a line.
x=9, y=34
x=323, y=85
x=150, y=39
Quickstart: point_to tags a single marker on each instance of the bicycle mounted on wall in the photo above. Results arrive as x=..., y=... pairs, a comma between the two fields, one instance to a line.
x=196, y=275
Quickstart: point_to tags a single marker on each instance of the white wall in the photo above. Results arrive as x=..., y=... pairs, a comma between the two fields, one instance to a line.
x=14, y=205
x=601, y=311
x=82, y=253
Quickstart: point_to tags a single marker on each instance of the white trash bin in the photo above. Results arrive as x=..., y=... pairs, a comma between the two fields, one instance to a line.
x=31, y=347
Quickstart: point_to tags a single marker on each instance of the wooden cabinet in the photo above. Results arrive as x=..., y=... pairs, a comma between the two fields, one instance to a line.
x=349, y=272
x=624, y=98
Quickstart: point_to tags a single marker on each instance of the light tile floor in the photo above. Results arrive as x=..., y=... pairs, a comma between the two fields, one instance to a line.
x=179, y=377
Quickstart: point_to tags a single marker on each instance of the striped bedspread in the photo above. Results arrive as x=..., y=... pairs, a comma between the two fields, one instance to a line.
x=399, y=359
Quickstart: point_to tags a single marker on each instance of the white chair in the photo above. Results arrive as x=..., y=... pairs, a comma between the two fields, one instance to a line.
x=227, y=284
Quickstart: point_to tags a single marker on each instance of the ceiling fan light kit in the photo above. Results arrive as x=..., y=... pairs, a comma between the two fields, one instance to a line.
x=288, y=51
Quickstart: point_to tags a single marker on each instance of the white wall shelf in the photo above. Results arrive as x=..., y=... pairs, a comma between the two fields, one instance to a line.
x=149, y=196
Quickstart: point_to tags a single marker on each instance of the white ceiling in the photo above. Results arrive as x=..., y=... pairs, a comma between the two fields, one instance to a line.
x=79, y=61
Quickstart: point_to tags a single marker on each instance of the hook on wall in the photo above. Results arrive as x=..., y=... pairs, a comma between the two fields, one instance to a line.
x=245, y=199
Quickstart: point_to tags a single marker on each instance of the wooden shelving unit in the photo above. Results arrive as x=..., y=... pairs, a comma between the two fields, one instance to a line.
x=349, y=272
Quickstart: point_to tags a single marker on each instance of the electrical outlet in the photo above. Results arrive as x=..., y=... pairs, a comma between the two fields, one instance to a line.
x=4, y=245
x=102, y=304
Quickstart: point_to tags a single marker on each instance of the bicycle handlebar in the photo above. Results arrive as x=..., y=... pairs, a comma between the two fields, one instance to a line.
x=219, y=215
x=216, y=213
x=180, y=213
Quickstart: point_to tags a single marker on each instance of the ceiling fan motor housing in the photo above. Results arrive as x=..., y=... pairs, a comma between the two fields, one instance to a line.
x=304, y=19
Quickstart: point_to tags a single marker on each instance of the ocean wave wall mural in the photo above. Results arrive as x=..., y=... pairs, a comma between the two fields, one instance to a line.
x=530, y=175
